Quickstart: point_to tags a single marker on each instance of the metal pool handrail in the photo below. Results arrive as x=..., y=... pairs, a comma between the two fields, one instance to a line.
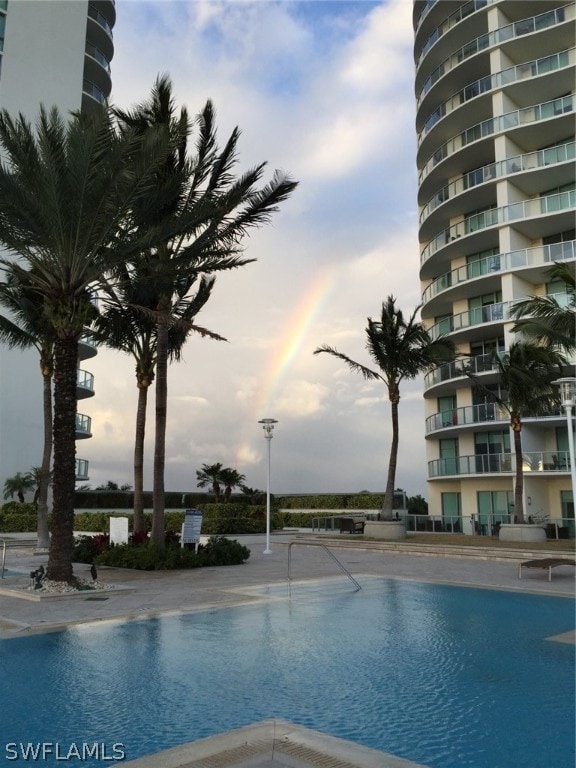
x=3, y=558
x=325, y=548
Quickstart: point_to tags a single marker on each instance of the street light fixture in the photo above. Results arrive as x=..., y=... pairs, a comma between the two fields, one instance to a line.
x=568, y=399
x=268, y=426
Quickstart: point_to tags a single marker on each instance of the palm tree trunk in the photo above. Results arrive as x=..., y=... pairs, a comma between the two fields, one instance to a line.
x=157, y=534
x=519, y=480
x=138, y=518
x=388, y=505
x=42, y=534
x=62, y=543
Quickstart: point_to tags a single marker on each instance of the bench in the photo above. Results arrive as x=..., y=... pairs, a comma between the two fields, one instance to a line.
x=546, y=564
x=350, y=525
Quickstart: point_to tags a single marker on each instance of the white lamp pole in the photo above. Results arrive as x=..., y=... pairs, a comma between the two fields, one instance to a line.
x=568, y=398
x=268, y=426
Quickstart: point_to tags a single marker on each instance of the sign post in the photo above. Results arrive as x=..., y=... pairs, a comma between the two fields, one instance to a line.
x=191, y=528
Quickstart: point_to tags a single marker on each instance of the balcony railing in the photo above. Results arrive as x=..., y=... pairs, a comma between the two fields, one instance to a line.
x=498, y=312
x=85, y=379
x=97, y=54
x=501, y=262
x=82, y=469
x=425, y=11
x=458, y=368
x=469, y=414
x=92, y=90
x=498, y=36
x=501, y=79
x=455, y=18
x=494, y=463
x=83, y=425
x=524, y=209
x=543, y=158
x=506, y=122
x=100, y=19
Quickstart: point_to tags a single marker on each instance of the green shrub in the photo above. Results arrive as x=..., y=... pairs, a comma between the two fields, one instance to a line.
x=148, y=557
x=323, y=501
x=18, y=522
x=87, y=548
x=365, y=501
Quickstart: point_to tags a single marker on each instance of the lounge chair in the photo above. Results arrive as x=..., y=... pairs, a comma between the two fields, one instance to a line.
x=350, y=525
x=546, y=564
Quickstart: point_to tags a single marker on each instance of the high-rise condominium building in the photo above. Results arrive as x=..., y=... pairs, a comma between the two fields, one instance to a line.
x=495, y=123
x=52, y=53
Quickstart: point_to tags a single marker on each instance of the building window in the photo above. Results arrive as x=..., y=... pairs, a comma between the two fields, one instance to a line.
x=452, y=512
x=449, y=456
x=493, y=507
x=492, y=451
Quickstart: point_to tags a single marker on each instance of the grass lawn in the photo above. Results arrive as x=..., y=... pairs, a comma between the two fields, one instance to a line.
x=463, y=540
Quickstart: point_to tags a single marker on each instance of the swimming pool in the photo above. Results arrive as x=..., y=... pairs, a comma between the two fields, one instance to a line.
x=445, y=676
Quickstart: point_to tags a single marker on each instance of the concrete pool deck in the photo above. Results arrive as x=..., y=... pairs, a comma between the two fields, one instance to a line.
x=144, y=594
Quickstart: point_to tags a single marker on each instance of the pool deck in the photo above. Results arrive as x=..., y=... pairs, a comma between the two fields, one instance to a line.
x=143, y=594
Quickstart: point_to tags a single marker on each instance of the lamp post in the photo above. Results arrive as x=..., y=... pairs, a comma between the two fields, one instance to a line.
x=268, y=426
x=568, y=397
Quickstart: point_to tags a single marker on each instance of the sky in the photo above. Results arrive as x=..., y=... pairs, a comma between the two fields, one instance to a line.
x=322, y=91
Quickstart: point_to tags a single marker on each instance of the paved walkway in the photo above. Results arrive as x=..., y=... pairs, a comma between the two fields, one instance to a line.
x=272, y=744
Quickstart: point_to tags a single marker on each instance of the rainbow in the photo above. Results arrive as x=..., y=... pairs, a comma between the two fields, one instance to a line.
x=285, y=351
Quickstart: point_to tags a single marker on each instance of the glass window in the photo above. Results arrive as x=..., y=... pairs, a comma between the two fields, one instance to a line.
x=493, y=507
x=449, y=456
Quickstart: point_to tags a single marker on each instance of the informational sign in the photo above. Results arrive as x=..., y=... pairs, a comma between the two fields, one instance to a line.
x=191, y=527
x=118, y=530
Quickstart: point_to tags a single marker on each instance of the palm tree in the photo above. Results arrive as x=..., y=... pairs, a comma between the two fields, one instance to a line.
x=66, y=193
x=18, y=486
x=525, y=376
x=210, y=475
x=542, y=317
x=126, y=323
x=231, y=479
x=31, y=329
x=402, y=349
x=209, y=211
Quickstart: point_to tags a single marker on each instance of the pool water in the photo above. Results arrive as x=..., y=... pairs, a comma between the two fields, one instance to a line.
x=445, y=676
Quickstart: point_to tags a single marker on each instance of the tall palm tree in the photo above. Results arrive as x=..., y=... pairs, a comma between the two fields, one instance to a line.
x=542, y=317
x=230, y=478
x=525, y=375
x=67, y=189
x=402, y=349
x=29, y=328
x=127, y=323
x=210, y=211
x=210, y=475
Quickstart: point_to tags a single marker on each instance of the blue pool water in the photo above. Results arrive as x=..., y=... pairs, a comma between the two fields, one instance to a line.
x=445, y=676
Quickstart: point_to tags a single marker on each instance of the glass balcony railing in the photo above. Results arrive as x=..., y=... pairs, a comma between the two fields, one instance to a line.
x=524, y=209
x=501, y=262
x=455, y=18
x=501, y=79
x=469, y=414
x=425, y=11
x=83, y=424
x=82, y=469
x=100, y=19
x=458, y=368
x=97, y=54
x=490, y=313
x=85, y=379
x=519, y=117
x=494, y=463
x=498, y=36
x=92, y=90
x=561, y=153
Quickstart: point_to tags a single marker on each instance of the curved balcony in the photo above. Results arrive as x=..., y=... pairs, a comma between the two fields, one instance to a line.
x=497, y=37
x=86, y=348
x=83, y=426
x=538, y=462
x=515, y=212
x=522, y=73
x=458, y=369
x=463, y=12
x=466, y=416
x=99, y=31
x=81, y=470
x=97, y=69
x=542, y=158
x=84, y=384
x=91, y=89
x=539, y=256
x=419, y=16
x=502, y=123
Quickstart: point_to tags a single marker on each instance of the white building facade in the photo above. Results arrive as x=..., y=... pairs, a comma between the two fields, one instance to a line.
x=56, y=54
x=496, y=193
